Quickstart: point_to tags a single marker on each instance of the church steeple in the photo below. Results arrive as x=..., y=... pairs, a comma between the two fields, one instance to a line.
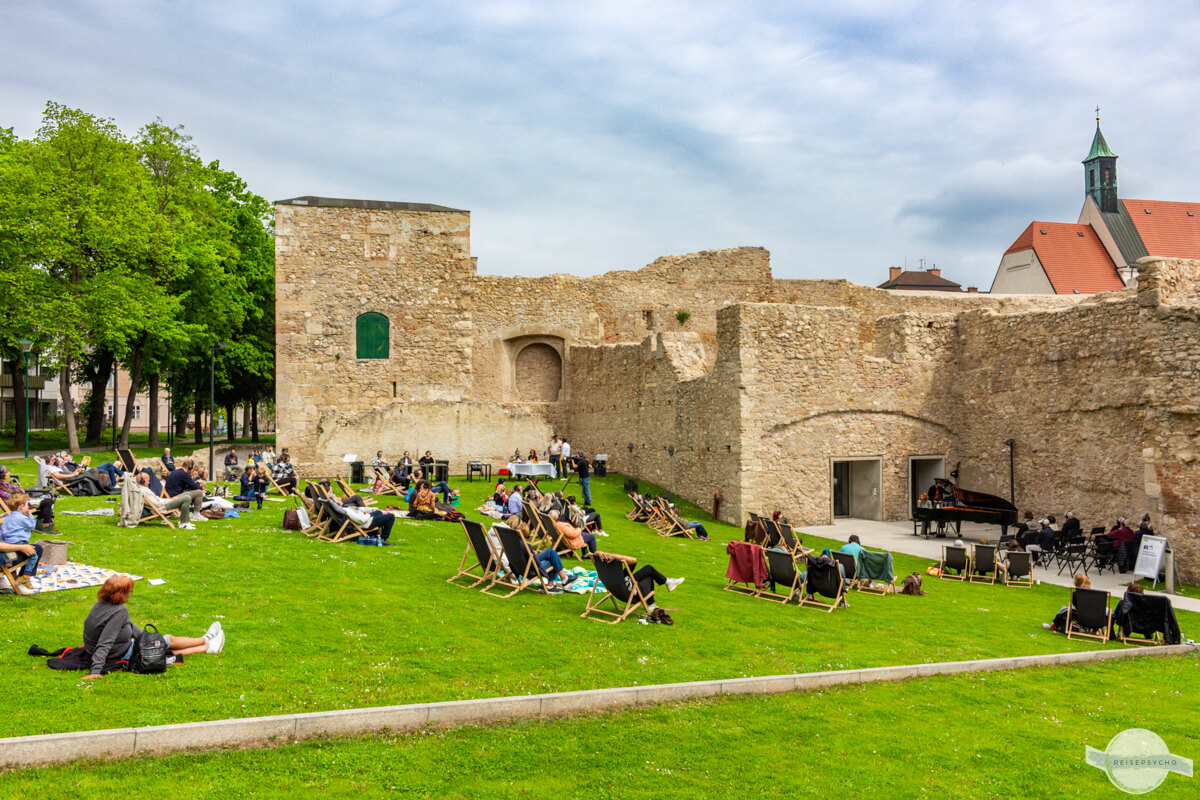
x=1100, y=172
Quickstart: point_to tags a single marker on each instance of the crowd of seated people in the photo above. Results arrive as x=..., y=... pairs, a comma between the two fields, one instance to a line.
x=1042, y=536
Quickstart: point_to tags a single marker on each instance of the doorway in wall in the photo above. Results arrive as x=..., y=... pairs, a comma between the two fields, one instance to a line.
x=922, y=470
x=856, y=487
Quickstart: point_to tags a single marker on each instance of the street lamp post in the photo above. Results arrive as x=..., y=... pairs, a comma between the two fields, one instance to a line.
x=212, y=392
x=26, y=346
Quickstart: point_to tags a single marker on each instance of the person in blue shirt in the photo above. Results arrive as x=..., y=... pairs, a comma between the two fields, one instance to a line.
x=14, y=536
x=514, y=503
x=853, y=547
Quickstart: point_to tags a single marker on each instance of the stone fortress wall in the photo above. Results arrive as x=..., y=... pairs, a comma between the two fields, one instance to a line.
x=768, y=383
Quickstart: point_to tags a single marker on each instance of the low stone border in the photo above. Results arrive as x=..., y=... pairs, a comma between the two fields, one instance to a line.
x=24, y=751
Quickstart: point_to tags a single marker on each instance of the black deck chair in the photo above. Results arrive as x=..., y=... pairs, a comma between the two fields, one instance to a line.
x=774, y=538
x=155, y=484
x=638, y=513
x=478, y=563
x=823, y=579
x=784, y=574
x=1018, y=569
x=744, y=587
x=320, y=521
x=791, y=542
x=849, y=566
x=983, y=564
x=11, y=564
x=558, y=539
x=523, y=572
x=1149, y=615
x=1089, y=611
x=954, y=558
x=615, y=573
x=341, y=528
x=128, y=462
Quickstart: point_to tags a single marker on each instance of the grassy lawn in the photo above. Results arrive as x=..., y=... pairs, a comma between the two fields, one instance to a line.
x=313, y=626
x=1015, y=734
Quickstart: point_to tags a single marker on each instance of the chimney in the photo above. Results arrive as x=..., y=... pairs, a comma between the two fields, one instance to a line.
x=972, y=288
x=893, y=273
x=935, y=272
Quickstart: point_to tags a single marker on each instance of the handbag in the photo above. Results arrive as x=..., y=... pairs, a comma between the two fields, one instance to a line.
x=291, y=520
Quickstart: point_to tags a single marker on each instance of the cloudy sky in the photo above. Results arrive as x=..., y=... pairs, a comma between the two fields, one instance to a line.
x=844, y=137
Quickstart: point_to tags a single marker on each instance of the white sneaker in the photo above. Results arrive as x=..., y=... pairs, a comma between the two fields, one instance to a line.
x=187, y=526
x=673, y=583
x=217, y=643
x=213, y=630
x=24, y=590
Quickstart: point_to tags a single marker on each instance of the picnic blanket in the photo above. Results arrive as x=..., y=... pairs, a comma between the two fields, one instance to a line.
x=71, y=575
x=584, y=582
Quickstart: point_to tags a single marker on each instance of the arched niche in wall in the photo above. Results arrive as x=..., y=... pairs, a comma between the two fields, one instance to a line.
x=535, y=368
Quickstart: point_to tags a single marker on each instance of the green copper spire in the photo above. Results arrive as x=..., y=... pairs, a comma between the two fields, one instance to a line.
x=1099, y=146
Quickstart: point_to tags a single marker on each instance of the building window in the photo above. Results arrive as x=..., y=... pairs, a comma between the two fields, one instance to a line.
x=137, y=412
x=371, y=335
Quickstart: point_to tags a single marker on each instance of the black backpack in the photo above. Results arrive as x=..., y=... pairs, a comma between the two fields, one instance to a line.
x=150, y=652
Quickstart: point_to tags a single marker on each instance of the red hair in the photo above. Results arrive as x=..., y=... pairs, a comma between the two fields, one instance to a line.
x=116, y=590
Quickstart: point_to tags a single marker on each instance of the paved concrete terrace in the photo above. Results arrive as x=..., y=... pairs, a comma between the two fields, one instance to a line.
x=897, y=537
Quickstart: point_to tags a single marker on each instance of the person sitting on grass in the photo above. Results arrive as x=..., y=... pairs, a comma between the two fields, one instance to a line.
x=574, y=537
x=183, y=502
x=500, y=494
x=1082, y=581
x=14, y=533
x=284, y=474
x=231, y=466
x=423, y=504
x=253, y=485
x=108, y=632
x=514, y=505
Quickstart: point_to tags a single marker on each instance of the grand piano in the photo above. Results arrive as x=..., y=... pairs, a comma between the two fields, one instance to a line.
x=954, y=505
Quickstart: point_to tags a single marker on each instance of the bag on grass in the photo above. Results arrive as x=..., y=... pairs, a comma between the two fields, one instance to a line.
x=150, y=652
x=213, y=513
x=291, y=520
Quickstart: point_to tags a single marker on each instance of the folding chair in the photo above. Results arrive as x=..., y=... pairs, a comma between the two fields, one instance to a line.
x=1074, y=556
x=983, y=564
x=954, y=558
x=318, y=527
x=615, y=572
x=638, y=513
x=875, y=568
x=128, y=462
x=823, y=579
x=1104, y=554
x=1089, y=610
x=658, y=515
x=341, y=528
x=524, y=571
x=388, y=486
x=675, y=525
x=849, y=567
x=484, y=560
x=150, y=513
x=11, y=564
x=1018, y=569
x=791, y=542
x=783, y=573
x=735, y=579
x=538, y=530
x=557, y=538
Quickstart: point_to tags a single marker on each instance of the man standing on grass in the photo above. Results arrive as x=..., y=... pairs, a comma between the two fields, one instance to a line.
x=555, y=451
x=564, y=459
x=584, y=470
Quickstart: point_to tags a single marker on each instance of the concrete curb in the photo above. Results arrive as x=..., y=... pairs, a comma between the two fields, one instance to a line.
x=27, y=751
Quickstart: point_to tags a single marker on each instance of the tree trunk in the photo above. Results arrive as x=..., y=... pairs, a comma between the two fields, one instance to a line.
x=246, y=420
x=254, y=422
x=18, y=384
x=98, y=373
x=135, y=378
x=152, y=421
x=229, y=422
x=64, y=391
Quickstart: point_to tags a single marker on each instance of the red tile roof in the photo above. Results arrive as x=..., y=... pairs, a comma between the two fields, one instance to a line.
x=1167, y=230
x=1072, y=256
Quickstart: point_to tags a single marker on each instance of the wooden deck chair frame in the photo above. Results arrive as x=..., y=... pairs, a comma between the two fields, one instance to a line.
x=867, y=585
x=150, y=512
x=783, y=570
x=849, y=567
x=537, y=528
x=478, y=563
x=4, y=509
x=128, y=462
x=388, y=486
x=974, y=576
x=320, y=521
x=638, y=513
x=1155, y=639
x=658, y=517
x=675, y=526
x=622, y=590
x=965, y=564
x=1025, y=581
x=558, y=538
x=742, y=587
x=811, y=589
x=346, y=489
x=1093, y=596
x=648, y=511
x=524, y=572
x=346, y=530
x=790, y=540
x=56, y=484
x=10, y=569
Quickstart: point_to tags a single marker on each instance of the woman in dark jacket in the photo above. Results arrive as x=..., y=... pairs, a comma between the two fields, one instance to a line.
x=108, y=632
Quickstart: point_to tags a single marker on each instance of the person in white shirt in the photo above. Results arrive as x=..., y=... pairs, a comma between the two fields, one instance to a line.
x=181, y=501
x=566, y=458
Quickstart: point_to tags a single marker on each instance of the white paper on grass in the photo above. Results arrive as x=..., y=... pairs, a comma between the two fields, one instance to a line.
x=156, y=581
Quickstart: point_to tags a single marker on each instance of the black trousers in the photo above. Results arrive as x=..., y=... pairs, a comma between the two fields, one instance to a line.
x=45, y=512
x=646, y=577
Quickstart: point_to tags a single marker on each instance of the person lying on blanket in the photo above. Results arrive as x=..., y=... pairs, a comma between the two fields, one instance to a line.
x=14, y=535
x=108, y=630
